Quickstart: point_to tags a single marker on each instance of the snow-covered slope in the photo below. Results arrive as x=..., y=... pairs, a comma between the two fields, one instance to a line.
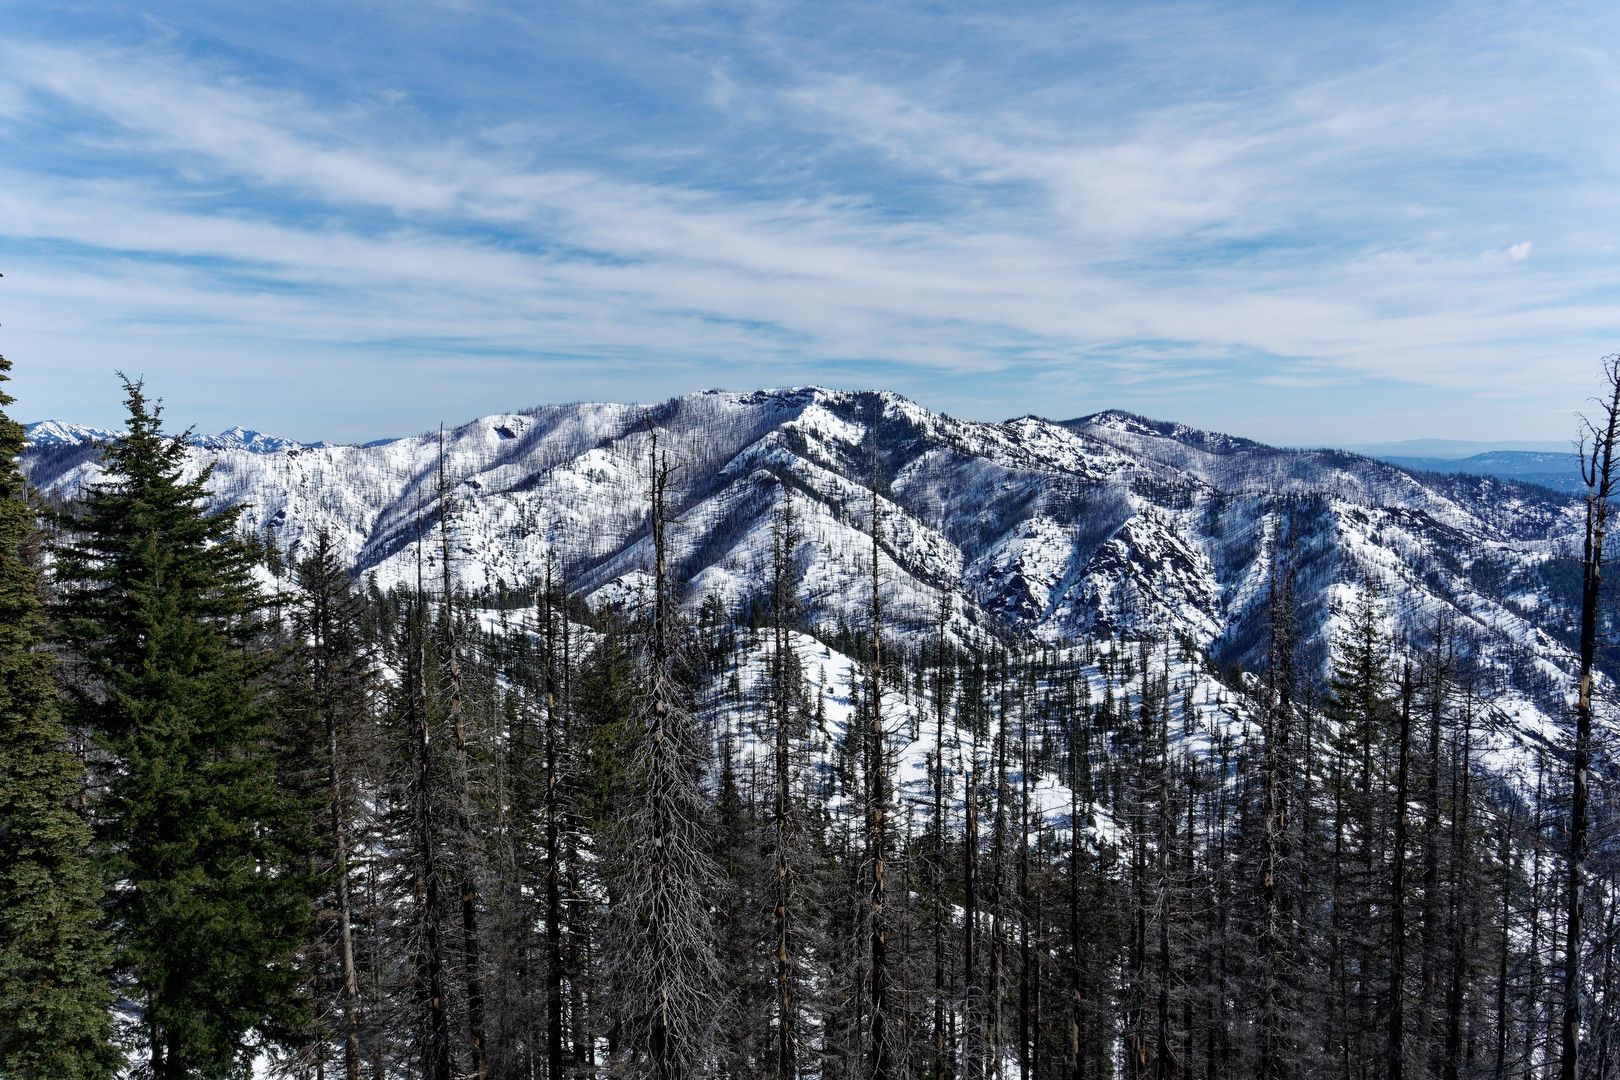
x=60, y=433
x=1052, y=531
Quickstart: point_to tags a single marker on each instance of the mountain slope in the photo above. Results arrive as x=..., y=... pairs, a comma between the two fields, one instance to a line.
x=1052, y=531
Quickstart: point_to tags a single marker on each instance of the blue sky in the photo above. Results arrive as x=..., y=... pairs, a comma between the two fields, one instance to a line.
x=1306, y=223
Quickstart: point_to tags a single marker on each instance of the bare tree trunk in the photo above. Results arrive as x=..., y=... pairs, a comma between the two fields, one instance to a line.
x=1164, y=1065
x=1395, y=1052
x=1024, y=950
x=782, y=590
x=1597, y=467
x=972, y=992
x=327, y=596
x=436, y=1065
x=1505, y=857
x=1607, y=1011
x=1462, y=891
x=1278, y=706
x=998, y=899
x=876, y=823
x=941, y=1063
x=340, y=846
x=1076, y=986
x=464, y=815
x=553, y=817
x=1429, y=973
x=1534, y=978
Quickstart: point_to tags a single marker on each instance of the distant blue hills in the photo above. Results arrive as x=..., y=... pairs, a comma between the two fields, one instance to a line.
x=1560, y=470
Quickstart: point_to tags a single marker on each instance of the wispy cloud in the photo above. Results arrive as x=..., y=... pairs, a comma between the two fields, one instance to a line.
x=982, y=207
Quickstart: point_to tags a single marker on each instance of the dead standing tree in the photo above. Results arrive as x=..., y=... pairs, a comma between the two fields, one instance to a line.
x=881, y=1052
x=667, y=967
x=465, y=825
x=784, y=542
x=1597, y=469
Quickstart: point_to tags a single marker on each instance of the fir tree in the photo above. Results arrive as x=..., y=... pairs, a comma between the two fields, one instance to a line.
x=336, y=688
x=54, y=992
x=162, y=607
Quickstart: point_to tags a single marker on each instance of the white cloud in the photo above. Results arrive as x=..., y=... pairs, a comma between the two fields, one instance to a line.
x=940, y=221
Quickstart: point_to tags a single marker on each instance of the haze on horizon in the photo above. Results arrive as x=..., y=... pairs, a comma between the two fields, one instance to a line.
x=1347, y=225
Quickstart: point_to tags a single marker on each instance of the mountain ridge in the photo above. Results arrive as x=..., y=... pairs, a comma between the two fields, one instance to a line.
x=1101, y=524
x=42, y=433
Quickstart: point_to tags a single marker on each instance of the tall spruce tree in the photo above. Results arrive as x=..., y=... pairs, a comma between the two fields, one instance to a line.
x=161, y=605
x=54, y=992
x=336, y=687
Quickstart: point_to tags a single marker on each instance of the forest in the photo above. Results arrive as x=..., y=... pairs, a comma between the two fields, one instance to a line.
x=261, y=817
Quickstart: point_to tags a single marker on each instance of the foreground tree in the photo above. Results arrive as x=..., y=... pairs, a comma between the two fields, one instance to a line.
x=1597, y=469
x=161, y=606
x=784, y=684
x=666, y=972
x=881, y=1052
x=54, y=993
x=336, y=685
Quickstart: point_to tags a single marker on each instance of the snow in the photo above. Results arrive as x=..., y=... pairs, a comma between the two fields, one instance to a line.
x=1056, y=532
x=61, y=433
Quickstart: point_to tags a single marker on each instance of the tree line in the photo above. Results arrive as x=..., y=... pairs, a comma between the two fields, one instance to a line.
x=303, y=821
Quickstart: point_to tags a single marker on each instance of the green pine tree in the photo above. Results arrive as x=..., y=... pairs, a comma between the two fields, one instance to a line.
x=55, y=997
x=161, y=606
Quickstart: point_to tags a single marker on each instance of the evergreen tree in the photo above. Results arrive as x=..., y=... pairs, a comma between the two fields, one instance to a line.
x=336, y=689
x=161, y=605
x=54, y=960
x=1368, y=746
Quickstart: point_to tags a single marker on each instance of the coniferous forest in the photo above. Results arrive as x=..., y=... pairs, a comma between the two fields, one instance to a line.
x=260, y=815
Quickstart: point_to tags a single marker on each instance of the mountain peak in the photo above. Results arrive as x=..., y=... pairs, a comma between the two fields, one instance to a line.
x=44, y=433
x=1120, y=422
x=62, y=433
x=254, y=442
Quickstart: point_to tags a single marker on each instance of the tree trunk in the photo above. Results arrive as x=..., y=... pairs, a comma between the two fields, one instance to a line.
x=553, y=817
x=1598, y=471
x=464, y=815
x=1395, y=1052
x=941, y=1063
x=436, y=1051
x=786, y=1020
x=1461, y=892
x=876, y=823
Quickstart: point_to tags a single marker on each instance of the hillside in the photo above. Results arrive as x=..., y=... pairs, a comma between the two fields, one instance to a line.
x=1051, y=531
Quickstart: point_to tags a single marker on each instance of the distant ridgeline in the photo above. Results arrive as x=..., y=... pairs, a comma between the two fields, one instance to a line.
x=1561, y=472
x=904, y=745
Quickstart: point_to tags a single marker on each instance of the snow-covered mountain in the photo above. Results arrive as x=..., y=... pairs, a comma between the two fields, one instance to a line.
x=61, y=433
x=1051, y=531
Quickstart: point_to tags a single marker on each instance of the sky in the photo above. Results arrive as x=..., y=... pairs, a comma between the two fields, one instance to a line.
x=1312, y=224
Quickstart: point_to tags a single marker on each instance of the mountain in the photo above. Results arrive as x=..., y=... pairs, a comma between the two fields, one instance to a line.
x=58, y=433
x=253, y=442
x=1452, y=449
x=1047, y=531
x=1559, y=471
